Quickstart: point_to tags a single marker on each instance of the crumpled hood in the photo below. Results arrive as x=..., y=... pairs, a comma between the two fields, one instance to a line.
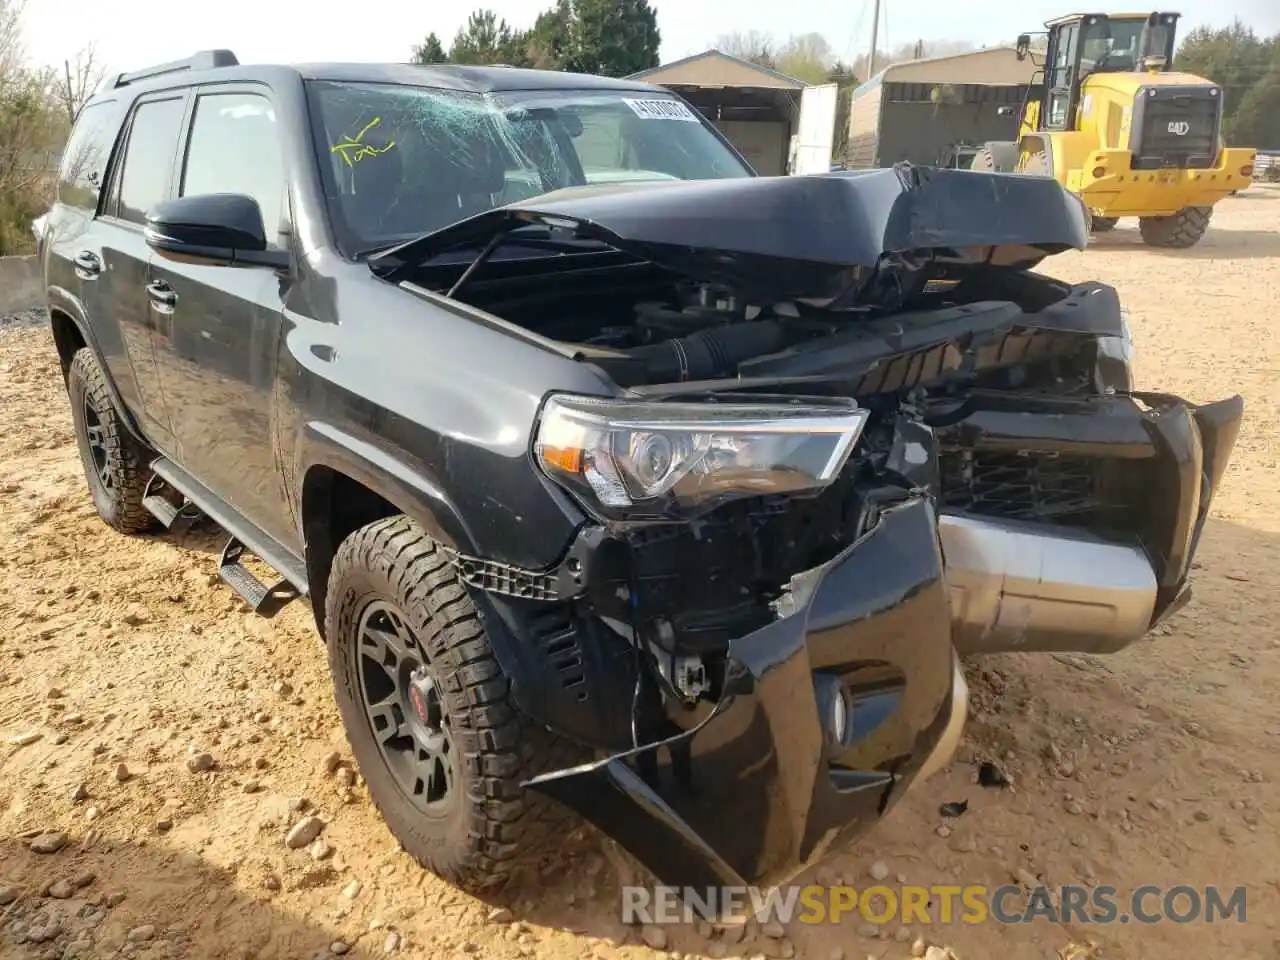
x=793, y=236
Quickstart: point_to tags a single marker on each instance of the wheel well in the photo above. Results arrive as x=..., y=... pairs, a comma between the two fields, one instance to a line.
x=333, y=507
x=66, y=337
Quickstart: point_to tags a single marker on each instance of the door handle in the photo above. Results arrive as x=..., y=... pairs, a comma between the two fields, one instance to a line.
x=88, y=265
x=161, y=294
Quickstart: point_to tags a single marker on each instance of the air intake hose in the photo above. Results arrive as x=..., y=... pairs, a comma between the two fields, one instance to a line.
x=710, y=353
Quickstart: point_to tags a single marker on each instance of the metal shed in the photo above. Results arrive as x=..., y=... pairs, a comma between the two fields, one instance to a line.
x=936, y=111
x=757, y=109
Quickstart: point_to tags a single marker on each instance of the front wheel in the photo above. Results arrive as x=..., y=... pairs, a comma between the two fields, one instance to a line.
x=428, y=713
x=115, y=464
x=1103, y=224
x=1183, y=229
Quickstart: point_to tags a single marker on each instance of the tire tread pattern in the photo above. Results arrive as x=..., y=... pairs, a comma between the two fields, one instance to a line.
x=1178, y=232
x=507, y=826
x=127, y=459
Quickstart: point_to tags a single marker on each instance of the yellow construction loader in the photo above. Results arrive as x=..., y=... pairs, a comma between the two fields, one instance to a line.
x=1109, y=120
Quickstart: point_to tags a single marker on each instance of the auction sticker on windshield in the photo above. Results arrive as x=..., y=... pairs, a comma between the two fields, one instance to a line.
x=660, y=110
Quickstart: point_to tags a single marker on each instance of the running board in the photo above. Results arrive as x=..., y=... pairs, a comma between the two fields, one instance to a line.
x=244, y=538
x=264, y=600
x=170, y=515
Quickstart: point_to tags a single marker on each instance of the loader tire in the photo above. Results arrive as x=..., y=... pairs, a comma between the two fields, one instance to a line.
x=1103, y=224
x=1178, y=232
x=429, y=714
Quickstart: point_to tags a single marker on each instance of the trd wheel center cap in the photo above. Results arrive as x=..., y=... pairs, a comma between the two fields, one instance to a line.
x=422, y=698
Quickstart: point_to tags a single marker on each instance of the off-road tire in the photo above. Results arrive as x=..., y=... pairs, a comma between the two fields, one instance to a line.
x=1180, y=231
x=495, y=829
x=119, y=498
x=1103, y=224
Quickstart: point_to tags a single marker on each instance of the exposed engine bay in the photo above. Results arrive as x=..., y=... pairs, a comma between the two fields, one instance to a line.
x=999, y=394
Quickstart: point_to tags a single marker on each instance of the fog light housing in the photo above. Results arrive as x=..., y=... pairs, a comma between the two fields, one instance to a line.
x=833, y=708
x=1099, y=172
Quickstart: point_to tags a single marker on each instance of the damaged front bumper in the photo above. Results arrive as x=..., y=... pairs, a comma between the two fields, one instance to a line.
x=763, y=785
x=1020, y=586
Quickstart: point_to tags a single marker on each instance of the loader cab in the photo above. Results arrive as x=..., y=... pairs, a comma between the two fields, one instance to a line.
x=1081, y=45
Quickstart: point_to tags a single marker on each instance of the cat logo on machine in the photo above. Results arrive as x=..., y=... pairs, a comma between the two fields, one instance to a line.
x=1179, y=128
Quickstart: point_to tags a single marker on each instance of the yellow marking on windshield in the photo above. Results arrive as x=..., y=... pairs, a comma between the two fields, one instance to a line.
x=354, y=149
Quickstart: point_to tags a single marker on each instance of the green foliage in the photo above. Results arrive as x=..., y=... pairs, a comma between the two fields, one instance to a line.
x=806, y=57
x=431, y=50
x=612, y=38
x=1247, y=68
x=485, y=39
x=33, y=127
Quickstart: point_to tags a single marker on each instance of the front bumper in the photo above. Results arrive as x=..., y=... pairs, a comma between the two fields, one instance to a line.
x=757, y=790
x=1018, y=586
x=1121, y=191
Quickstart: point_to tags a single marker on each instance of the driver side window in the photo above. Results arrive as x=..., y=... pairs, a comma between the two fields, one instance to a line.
x=235, y=148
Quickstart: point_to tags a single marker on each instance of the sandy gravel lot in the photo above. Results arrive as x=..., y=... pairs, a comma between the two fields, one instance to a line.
x=122, y=658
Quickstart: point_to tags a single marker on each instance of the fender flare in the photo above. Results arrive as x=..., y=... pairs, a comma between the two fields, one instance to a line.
x=63, y=301
x=406, y=485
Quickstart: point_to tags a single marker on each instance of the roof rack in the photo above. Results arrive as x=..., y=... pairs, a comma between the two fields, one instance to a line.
x=201, y=60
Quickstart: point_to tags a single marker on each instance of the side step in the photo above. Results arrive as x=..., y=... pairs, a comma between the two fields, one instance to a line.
x=244, y=538
x=264, y=600
x=158, y=498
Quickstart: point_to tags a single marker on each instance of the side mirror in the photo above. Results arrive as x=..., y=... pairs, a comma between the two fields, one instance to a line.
x=1005, y=111
x=212, y=229
x=1023, y=46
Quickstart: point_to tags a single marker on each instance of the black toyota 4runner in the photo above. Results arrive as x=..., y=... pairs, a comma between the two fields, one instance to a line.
x=620, y=479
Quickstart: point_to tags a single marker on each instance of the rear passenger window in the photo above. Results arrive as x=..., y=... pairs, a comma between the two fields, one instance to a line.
x=148, y=159
x=84, y=160
x=235, y=148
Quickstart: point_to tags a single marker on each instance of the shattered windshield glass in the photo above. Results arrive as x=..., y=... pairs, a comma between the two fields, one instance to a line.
x=401, y=161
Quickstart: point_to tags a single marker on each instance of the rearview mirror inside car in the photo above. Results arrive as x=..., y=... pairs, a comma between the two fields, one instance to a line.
x=214, y=229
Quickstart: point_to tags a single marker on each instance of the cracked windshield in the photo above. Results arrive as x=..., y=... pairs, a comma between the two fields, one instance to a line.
x=404, y=161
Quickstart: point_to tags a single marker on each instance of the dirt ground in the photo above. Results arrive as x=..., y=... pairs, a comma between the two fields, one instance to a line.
x=123, y=663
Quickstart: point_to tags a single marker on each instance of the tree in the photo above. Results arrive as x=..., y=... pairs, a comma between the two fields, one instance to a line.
x=1236, y=60
x=80, y=77
x=485, y=39
x=547, y=45
x=754, y=46
x=806, y=57
x=1257, y=122
x=32, y=130
x=431, y=50
x=612, y=38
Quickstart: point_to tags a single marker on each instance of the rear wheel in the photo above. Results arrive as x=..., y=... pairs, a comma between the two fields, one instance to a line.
x=115, y=464
x=1103, y=224
x=427, y=711
x=1183, y=229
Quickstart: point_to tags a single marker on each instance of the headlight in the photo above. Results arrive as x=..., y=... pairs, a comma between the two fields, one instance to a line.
x=649, y=459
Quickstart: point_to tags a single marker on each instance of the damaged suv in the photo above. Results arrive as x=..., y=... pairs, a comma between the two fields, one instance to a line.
x=621, y=480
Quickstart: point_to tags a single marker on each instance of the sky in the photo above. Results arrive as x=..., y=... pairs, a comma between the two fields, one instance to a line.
x=129, y=34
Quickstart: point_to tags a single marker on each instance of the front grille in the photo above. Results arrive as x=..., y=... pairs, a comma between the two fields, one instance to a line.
x=1175, y=127
x=1094, y=493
